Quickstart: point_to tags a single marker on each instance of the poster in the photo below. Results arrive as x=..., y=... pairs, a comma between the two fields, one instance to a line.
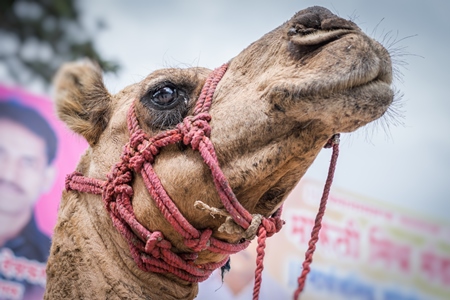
x=367, y=250
x=36, y=152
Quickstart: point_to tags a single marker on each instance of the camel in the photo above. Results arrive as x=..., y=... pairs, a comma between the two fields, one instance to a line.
x=246, y=132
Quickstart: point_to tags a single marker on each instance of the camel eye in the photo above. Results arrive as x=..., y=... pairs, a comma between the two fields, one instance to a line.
x=167, y=97
x=166, y=104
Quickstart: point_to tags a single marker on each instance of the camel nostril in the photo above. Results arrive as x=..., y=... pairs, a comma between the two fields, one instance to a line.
x=318, y=20
x=308, y=21
x=311, y=30
x=292, y=31
x=312, y=17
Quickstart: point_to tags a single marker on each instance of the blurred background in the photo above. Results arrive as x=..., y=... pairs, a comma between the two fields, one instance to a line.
x=401, y=162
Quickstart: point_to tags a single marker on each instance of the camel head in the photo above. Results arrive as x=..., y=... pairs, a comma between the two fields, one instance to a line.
x=277, y=105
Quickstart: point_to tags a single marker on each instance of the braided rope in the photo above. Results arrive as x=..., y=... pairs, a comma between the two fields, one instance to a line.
x=150, y=250
x=332, y=143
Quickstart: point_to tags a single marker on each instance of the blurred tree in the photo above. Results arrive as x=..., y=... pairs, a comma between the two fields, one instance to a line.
x=36, y=37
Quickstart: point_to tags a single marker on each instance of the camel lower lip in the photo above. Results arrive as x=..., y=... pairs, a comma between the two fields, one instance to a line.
x=378, y=83
x=380, y=92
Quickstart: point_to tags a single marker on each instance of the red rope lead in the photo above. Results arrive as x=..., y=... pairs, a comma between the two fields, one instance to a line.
x=334, y=143
x=262, y=235
x=267, y=228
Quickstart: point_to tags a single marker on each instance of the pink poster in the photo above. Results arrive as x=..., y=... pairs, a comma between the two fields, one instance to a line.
x=36, y=153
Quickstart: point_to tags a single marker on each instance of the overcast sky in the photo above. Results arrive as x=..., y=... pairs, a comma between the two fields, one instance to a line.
x=408, y=165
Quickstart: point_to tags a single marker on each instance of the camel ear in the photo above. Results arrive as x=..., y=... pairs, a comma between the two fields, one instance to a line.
x=82, y=101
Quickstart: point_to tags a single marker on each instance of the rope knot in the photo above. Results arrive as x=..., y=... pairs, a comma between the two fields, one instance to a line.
x=118, y=182
x=194, y=128
x=136, y=162
x=201, y=243
x=149, y=151
x=139, y=150
x=137, y=138
x=271, y=225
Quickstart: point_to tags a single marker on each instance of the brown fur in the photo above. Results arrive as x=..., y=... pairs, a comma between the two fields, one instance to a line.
x=280, y=101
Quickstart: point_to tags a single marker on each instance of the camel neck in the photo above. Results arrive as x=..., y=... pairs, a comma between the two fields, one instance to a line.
x=98, y=261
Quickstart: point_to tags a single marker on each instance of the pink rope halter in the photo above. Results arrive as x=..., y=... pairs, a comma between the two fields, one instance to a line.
x=150, y=250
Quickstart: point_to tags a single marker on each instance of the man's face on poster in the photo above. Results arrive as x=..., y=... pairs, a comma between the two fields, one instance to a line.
x=24, y=170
